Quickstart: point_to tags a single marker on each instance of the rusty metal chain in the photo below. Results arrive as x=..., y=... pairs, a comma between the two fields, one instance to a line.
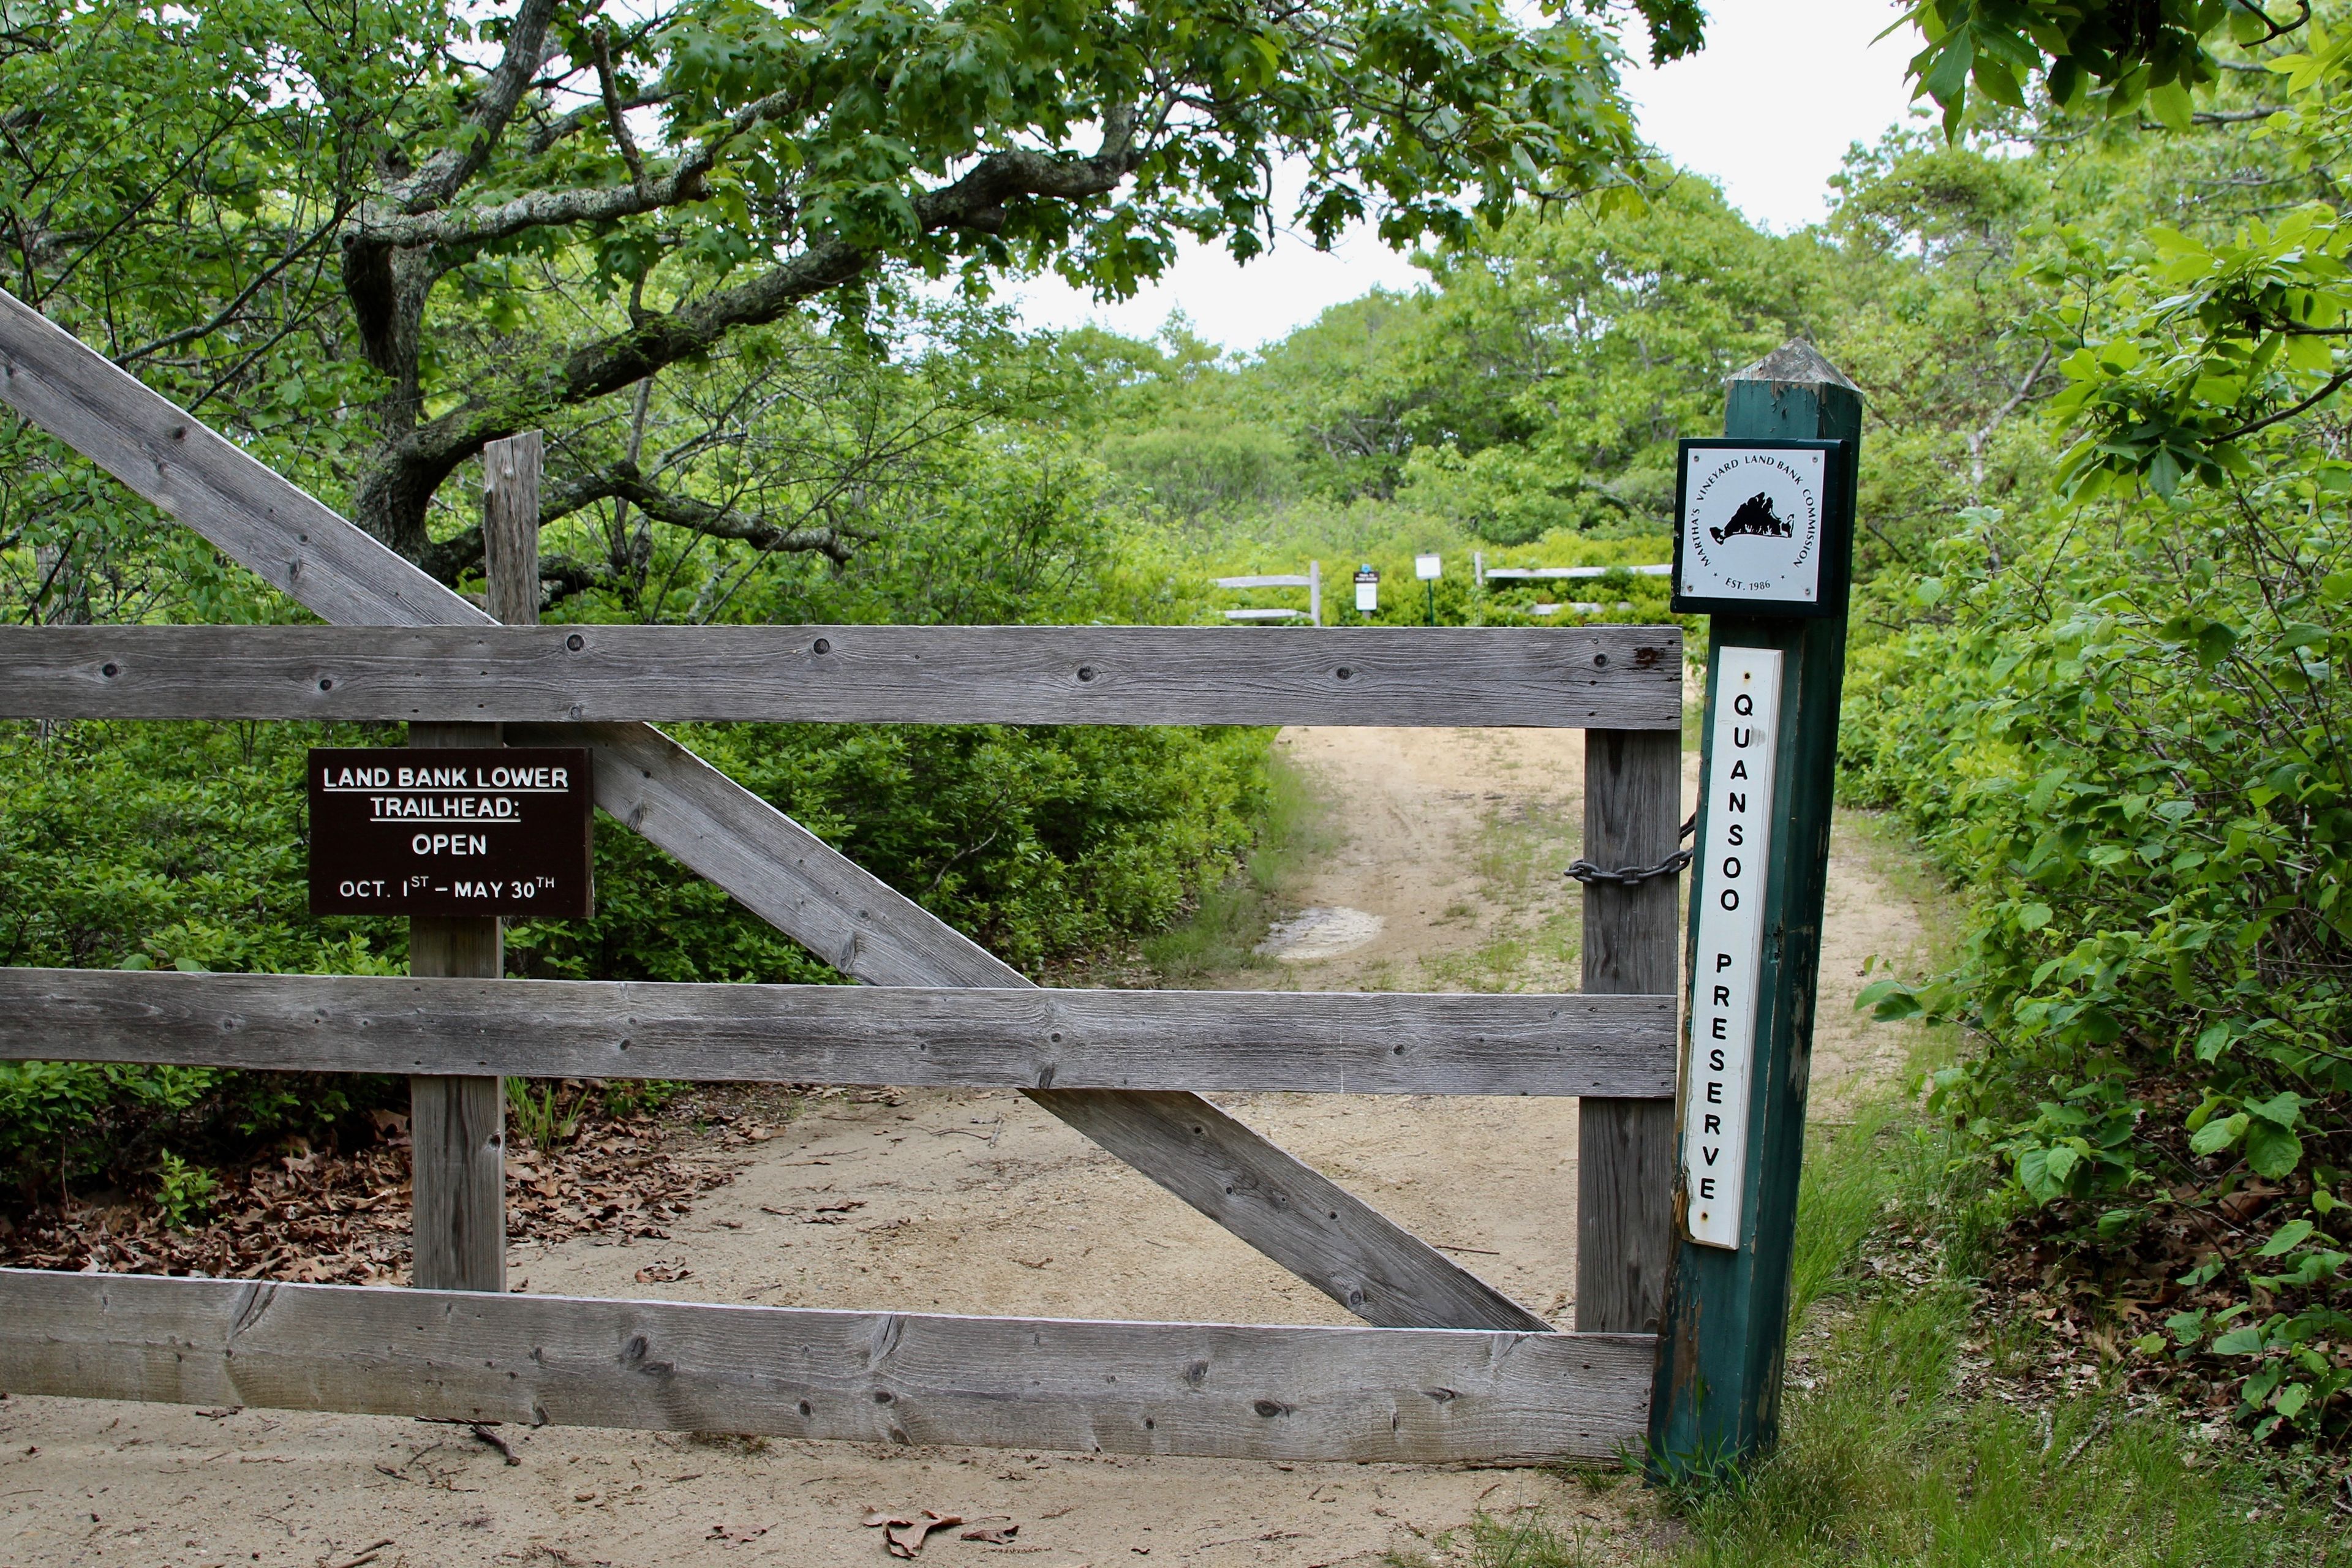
x=1586, y=872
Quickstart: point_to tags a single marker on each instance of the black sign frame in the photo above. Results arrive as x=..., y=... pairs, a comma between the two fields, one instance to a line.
x=452, y=830
x=1836, y=532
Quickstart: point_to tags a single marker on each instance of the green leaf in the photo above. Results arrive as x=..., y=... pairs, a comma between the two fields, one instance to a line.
x=1996, y=82
x=2034, y=1175
x=2312, y=355
x=2170, y=105
x=1888, y=1000
x=2285, y=1108
x=2032, y=917
x=2287, y=1238
x=2240, y=1341
x=2272, y=1150
x=2292, y=1399
x=2216, y=1136
x=1947, y=78
x=2060, y=1163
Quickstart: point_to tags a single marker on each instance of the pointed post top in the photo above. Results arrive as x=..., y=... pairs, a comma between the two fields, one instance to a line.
x=1795, y=363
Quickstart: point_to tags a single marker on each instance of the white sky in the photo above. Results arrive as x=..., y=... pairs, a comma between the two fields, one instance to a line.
x=1768, y=109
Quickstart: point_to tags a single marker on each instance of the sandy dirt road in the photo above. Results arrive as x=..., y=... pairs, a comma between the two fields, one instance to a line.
x=977, y=1201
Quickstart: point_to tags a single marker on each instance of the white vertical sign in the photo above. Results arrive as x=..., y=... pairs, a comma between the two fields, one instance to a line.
x=1718, y=1069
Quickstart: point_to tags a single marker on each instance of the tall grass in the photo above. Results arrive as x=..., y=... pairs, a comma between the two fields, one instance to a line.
x=1221, y=934
x=1883, y=1462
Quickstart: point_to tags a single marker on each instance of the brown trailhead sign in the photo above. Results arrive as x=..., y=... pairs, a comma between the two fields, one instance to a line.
x=451, y=831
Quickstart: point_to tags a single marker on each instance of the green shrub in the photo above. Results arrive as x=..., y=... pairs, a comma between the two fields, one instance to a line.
x=184, y=1192
x=157, y=845
x=2129, y=742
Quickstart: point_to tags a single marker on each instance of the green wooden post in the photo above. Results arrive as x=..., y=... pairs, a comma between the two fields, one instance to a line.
x=1723, y=1334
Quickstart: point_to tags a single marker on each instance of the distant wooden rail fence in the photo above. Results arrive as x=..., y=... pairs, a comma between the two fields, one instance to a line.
x=1451, y=1369
x=1311, y=579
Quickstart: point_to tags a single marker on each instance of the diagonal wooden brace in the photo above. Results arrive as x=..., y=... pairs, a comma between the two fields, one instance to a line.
x=773, y=866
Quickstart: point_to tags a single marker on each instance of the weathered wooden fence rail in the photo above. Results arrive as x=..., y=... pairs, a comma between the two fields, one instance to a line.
x=1318, y=1043
x=1616, y=678
x=1224, y=1390
x=1452, y=1369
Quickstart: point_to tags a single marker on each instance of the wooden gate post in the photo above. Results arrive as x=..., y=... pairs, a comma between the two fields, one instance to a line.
x=1717, y=1397
x=457, y=1126
x=1625, y=1148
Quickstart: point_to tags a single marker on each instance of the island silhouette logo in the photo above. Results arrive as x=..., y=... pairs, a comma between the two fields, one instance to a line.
x=1757, y=516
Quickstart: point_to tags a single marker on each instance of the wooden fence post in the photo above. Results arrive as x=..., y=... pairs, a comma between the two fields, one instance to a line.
x=1723, y=1332
x=457, y=1125
x=1624, y=1162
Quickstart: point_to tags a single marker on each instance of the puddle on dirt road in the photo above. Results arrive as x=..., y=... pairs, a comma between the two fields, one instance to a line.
x=1325, y=931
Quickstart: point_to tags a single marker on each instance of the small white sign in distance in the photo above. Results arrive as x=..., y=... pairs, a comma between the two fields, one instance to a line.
x=1751, y=523
x=1720, y=1062
x=1427, y=568
x=1367, y=591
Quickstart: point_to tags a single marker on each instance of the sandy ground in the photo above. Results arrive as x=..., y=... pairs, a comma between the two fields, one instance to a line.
x=978, y=1202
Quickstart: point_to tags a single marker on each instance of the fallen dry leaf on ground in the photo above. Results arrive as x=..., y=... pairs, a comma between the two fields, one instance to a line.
x=324, y=1216
x=903, y=1534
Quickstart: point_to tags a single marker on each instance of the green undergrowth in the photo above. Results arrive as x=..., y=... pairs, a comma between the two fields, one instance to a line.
x=1920, y=1426
x=1895, y=1449
x=1898, y=1448
x=183, y=845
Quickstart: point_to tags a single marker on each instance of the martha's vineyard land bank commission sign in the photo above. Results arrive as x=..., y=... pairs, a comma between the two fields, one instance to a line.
x=1755, y=529
x=451, y=831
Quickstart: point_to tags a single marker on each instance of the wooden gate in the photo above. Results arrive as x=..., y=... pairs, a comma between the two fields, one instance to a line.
x=1447, y=1368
